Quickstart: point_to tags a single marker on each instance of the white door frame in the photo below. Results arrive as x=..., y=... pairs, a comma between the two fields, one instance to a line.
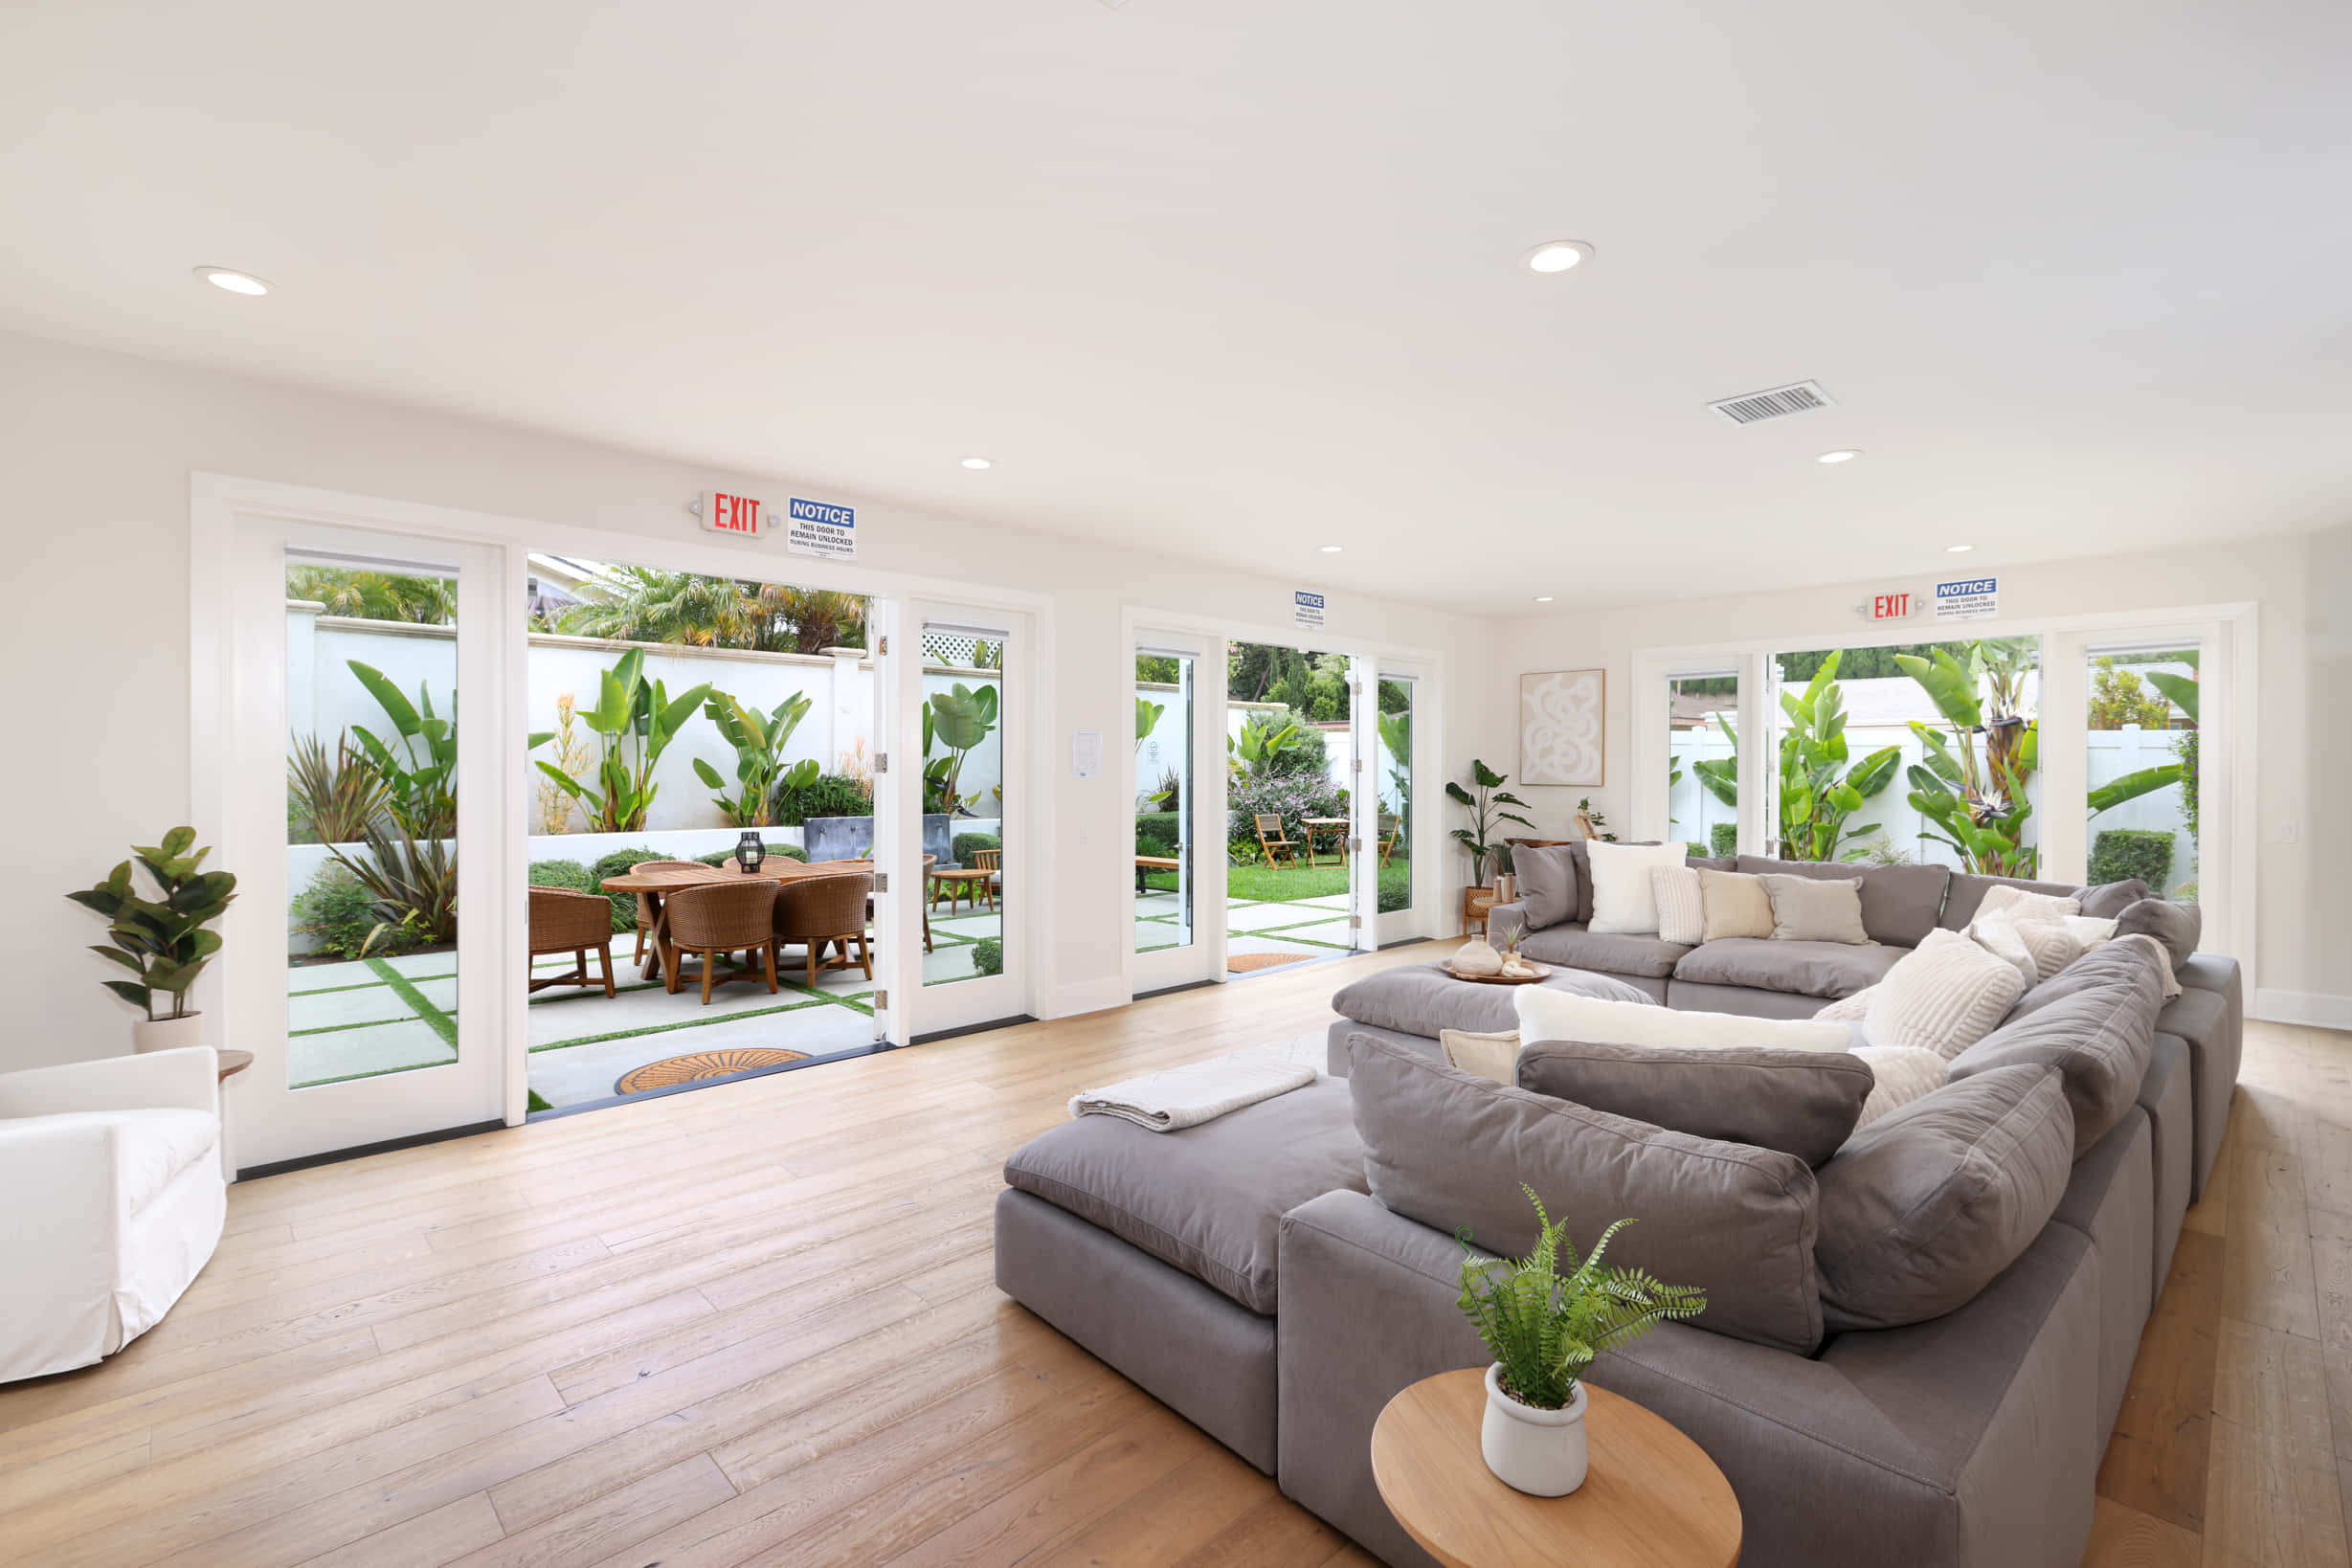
x=1412, y=922
x=1202, y=806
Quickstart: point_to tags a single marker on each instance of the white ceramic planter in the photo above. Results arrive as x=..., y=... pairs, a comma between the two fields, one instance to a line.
x=1539, y=1452
x=168, y=1033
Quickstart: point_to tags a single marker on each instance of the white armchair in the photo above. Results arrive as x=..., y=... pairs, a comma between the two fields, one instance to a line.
x=114, y=1199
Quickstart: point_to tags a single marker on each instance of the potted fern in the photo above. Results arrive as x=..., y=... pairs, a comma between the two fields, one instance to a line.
x=162, y=940
x=1543, y=1331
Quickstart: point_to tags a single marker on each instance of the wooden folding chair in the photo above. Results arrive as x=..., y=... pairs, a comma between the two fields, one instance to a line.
x=1390, y=826
x=1277, y=846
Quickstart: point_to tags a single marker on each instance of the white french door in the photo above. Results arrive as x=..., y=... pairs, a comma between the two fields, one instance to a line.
x=1176, y=916
x=366, y=961
x=1382, y=805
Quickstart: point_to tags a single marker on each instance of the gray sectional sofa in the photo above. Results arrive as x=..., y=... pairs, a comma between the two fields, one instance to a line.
x=1278, y=1274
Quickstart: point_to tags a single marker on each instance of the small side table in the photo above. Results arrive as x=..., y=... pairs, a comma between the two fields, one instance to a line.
x=233, y=1063
x=1476, y=903
x=1650, y=1496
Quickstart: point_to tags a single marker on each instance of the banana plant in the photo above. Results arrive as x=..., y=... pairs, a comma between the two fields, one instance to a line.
x=1147, y=719
x=2182, y=692
x=1978, y=802
x=1719, y=776
x=1480, y=839
x=162, y=940
x=1262, y=745
x=960, y=719
x=1818, y=793
x=418, y=763
x=634, y=722
x=760, y=771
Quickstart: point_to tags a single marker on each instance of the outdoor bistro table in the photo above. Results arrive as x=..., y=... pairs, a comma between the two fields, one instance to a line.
x=658, y=885
x=1313, y=826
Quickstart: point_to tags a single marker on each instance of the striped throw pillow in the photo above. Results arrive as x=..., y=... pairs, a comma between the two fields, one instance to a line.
x=1943, y=995
x=1682, y=916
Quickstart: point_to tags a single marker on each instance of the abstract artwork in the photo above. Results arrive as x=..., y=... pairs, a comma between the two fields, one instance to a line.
x=1561, y=739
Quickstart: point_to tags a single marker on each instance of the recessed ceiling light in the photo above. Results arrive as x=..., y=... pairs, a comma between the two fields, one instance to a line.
x=1543, y=598
x=234, y=280
x=1847, y=454
x=1557, y=255
x=976, y=462
x=1333, y=550
x=1957, y=549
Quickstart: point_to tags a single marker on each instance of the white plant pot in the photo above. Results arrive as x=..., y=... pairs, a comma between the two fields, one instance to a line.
x=168, y=1033
x=1539, y=1452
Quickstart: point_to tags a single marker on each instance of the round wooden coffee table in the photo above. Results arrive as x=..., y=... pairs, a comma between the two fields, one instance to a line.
x=1650, y=1499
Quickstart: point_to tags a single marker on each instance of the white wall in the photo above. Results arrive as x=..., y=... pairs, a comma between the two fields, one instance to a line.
x=94, y=499
x=2303, y=712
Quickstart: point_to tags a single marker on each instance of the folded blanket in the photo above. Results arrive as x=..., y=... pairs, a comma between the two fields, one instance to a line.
x=1181, y=1097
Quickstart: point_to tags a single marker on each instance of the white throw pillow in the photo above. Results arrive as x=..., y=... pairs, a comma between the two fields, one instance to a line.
x=1548, y=1013
x=2090, y=929
x=1999, y=935
x=1623, y=901
x=2053, y=946
x=1943, y=995
x=1852, y=1009
x=1682, y=917
x=2016, y=902
x=1903, y=1073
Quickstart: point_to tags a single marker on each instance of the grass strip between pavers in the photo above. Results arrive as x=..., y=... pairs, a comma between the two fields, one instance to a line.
x=371, y=1072
x=695, y=1023
x=442, y=1024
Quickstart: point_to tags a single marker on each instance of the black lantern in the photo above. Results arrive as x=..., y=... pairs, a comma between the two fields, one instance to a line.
x=750, y=852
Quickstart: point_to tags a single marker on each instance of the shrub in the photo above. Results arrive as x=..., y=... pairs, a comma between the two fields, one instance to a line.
x=1286, y=796
x=830, y=795
x=2119, y=854
x=1724, y=840
x=624, y=905
x=727, y=857
x=1146, y=844
x=570, y=873
x=1158, y=826
x=337, y=913
x=988, y=956
x=961, y=850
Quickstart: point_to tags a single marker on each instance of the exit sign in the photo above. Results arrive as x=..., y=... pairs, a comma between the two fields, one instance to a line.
x=1900, y=605
x=746, y=516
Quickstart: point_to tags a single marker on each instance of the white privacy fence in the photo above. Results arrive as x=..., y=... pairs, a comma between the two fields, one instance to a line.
x=2112, y=755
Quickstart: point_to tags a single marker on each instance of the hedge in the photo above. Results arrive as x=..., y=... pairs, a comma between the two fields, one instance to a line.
x=727, y=857
x=1724, y=840
x=988, y=956
x=964, y=844
x=618, y=864
x=830, y=795
x=1158, y=827
x=2119, y=853
x=570, y=873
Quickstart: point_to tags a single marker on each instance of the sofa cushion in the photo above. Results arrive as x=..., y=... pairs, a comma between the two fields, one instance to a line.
x=1578, y=948
x=1899, y=903
x=2104, y=902
x=1547, y=884
x=2179, y=927
x=1557, y=1015
x=1943, y=995
x=1734, y=904
x=1810, y=969
x=1922, y=1208
x=2097, y=968
x=2099, y=1038
x=1423, y=999
x=152, y=1146
x=1208, y=1200
x=1803, y=1103
x=2109, y=899
x=1451, y=1151
x=1903, y=1073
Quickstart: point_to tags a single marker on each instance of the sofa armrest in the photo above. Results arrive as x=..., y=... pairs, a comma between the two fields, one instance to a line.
x=1506, y=918
x=1368, y=1308
x=61, y=1237
x=181, y=1079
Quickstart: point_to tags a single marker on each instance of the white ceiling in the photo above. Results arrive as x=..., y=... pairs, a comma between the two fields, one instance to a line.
x=1235, y=279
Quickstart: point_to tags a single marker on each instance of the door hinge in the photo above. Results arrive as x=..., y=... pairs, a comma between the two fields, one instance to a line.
x=881, y=1001
x=882, y=762
x=1355, y=923
x=1356, y=847
x=881, y=881
x=1356, y=765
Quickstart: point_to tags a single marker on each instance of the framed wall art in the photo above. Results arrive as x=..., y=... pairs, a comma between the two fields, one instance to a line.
x=1562, y=729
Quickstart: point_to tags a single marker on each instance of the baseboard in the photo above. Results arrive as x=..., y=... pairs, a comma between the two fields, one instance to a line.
x=1088, y=997
x=2317, y=1008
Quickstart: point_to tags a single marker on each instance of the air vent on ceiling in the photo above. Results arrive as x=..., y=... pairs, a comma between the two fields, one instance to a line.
x=1776, y=403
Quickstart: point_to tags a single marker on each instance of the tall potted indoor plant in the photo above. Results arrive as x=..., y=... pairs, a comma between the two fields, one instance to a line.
x=1480, y=839
x=1543, y=1331
x=161, y=941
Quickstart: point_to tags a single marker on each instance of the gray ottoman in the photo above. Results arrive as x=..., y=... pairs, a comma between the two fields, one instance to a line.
x=1157, y=1250
x=1409, y=1004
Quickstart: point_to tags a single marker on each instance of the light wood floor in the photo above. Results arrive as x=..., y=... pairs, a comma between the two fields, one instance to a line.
x=757, y=1325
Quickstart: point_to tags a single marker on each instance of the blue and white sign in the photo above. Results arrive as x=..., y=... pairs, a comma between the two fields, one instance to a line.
x=1968, y=598
x=817, y=528
x=1307, y=610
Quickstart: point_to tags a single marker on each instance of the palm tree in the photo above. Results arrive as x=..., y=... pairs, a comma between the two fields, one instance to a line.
x=641, y=604
x=376, y=595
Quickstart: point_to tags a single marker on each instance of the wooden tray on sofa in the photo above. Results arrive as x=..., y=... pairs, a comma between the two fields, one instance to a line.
x=1542, y=972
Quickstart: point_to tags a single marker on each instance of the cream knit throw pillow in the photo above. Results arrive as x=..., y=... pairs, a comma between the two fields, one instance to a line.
x=1903, y=1074
x=2016, y=902
x=1623, y=903
x=1943, y=995
x=1682, y=917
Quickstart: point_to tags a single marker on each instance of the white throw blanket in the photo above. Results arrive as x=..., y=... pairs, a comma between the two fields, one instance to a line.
x=1181, y=1097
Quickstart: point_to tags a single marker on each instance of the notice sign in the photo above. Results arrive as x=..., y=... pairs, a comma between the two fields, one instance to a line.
x=743, y=516
x=1307, y=610
x=816, y=527
x=1968, y=598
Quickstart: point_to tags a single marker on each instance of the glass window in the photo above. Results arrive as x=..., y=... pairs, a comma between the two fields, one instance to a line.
x=1394, y=772
x=963, y=801
x=1163, y=801
x=2141, y=741
x=1702, y=764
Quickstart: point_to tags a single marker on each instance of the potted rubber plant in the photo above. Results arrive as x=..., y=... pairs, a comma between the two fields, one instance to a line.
x=1544, y=1329
x=162, y=940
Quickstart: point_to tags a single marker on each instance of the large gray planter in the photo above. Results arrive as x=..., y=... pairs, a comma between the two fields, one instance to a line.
x=852, y=838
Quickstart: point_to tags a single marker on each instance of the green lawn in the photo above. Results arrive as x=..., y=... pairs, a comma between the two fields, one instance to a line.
x=1261, y=884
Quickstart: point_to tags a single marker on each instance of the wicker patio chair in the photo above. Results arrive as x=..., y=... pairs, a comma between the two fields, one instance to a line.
x=1276, y=845
x=644, y=905
x=723, y=917
x=565, y=921
x=816, y=911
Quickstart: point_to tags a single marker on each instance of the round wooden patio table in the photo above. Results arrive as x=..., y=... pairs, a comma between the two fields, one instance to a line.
x=657, y=884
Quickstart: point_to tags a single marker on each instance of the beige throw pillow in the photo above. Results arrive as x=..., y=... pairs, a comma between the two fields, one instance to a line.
x=1816, y=909
x=1904, y=1073
x=1734, y=903
x=1999, y=935
x=1494, y=1056
x=1943, y=995
x=1681, y=916
x=2019, y=905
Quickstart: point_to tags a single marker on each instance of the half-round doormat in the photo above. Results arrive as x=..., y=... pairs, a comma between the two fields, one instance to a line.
x=1242, y=963
x=686, y=1069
